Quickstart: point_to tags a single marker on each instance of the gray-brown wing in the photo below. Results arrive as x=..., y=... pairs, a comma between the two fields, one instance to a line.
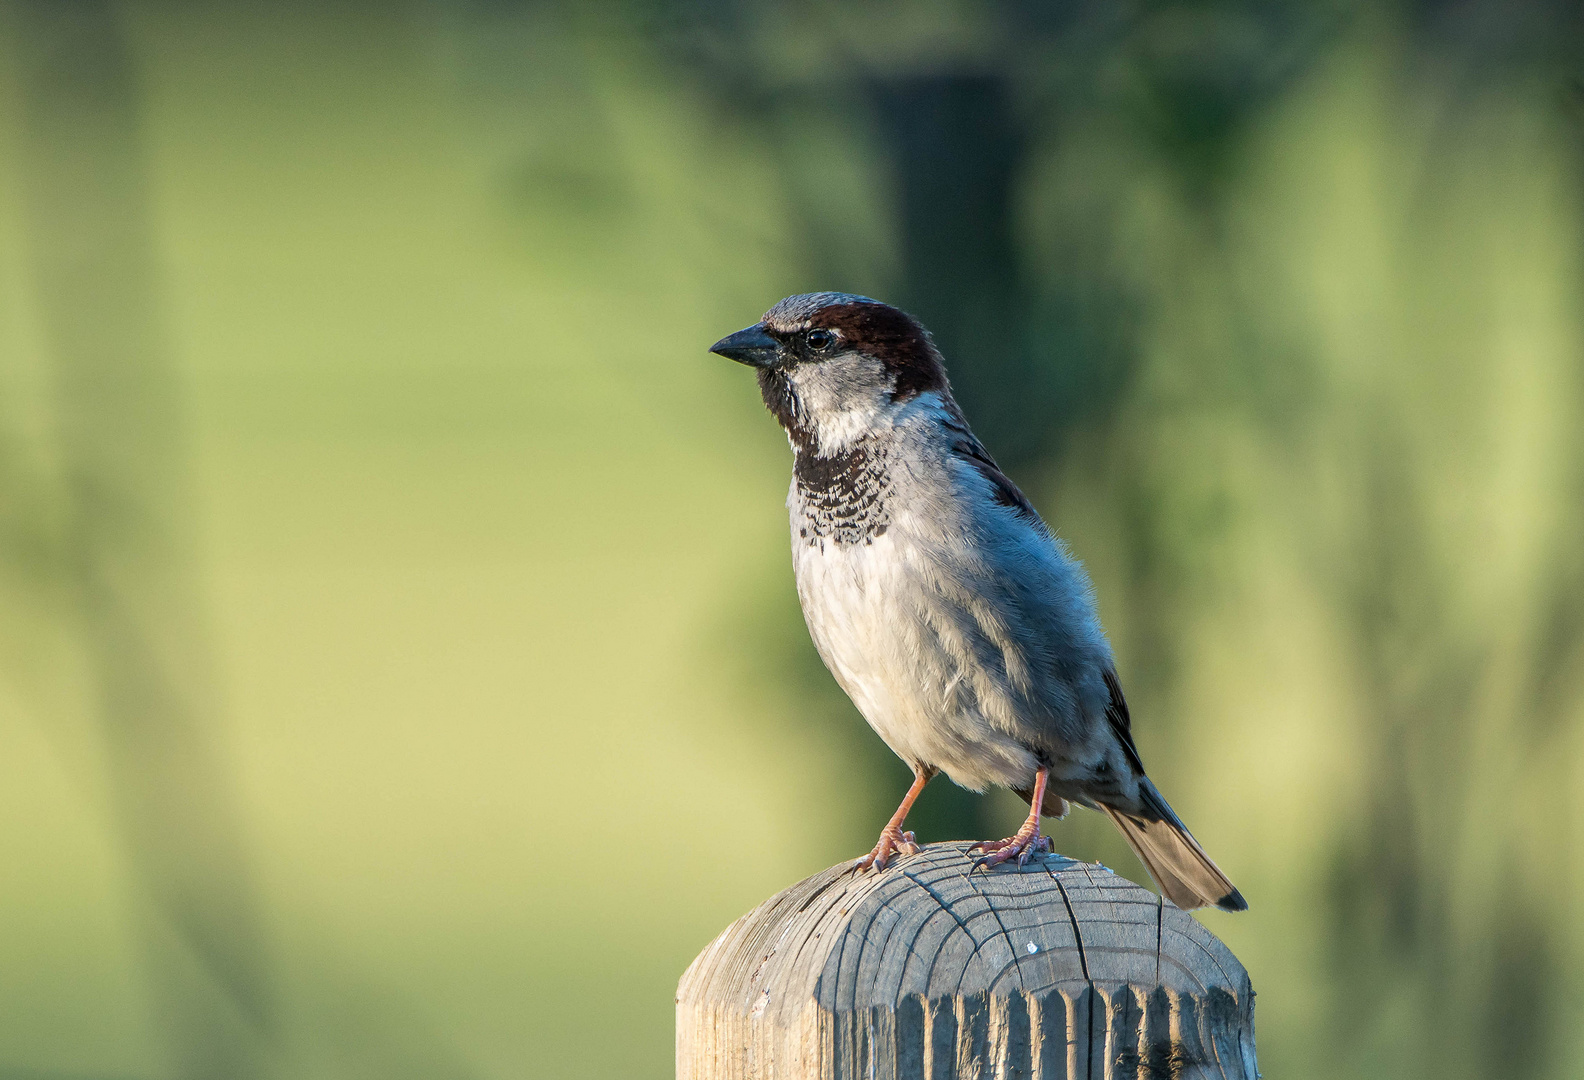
x=1121, y=723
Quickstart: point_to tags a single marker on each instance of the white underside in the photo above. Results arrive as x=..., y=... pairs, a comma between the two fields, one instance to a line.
x=909, y=672
x=944, y=631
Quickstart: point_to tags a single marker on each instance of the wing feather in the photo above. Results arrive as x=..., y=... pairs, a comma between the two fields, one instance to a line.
x=1121, y=723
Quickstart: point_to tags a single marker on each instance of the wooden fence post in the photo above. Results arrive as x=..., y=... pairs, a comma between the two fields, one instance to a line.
x=923, y=972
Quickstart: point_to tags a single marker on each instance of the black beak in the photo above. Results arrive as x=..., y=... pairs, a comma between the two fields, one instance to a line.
x=752, y=346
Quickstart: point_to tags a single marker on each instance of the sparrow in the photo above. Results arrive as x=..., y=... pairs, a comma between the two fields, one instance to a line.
x=960, y=626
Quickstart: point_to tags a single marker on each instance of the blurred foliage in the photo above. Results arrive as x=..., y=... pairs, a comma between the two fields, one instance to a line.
x=400, y=673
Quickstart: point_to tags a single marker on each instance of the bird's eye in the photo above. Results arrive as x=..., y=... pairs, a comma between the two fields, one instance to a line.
x=820, y=340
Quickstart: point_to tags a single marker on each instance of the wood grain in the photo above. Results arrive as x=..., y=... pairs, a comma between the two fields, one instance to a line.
x=923, y=972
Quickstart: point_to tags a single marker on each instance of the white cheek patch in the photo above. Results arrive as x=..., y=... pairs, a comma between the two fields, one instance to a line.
x=844, y=398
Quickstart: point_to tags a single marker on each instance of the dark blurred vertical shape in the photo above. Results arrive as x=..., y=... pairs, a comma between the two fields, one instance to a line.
x=955, y=150
x=127, y=544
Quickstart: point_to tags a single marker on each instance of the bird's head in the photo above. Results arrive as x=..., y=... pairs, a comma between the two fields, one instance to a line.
x=834, y=367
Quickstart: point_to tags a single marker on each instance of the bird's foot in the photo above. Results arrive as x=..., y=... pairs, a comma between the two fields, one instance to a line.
x=1023, y=846
x=891, y=842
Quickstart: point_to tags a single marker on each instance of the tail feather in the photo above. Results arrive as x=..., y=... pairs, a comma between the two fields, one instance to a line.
x=1185, y=874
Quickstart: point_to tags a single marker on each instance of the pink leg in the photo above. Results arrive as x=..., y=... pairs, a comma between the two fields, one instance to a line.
x=1026, y=841
x=892, y=838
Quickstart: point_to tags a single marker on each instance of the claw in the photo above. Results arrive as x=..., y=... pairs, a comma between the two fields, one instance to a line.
x=1022, y=847
x=1040, y=844
x=892, y=842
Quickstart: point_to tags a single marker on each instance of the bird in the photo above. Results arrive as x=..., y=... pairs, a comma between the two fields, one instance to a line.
x=960, y=625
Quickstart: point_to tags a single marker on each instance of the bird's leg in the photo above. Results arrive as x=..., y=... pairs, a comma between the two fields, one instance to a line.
x=1026, y=841
x=892, y=838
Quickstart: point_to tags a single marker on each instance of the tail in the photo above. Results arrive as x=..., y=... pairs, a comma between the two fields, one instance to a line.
x=1172, y=856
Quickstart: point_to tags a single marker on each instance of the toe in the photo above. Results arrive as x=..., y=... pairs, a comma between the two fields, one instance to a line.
x=1020, y=847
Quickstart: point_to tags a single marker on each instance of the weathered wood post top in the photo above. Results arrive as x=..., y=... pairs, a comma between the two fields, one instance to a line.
x=927, y=972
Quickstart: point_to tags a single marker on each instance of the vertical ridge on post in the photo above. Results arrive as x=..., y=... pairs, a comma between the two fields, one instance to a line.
x=1015, y=1053
x=943, y=1039
x=1049, y=1022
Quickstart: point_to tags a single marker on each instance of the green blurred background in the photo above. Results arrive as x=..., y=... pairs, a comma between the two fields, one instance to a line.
x=400, y=673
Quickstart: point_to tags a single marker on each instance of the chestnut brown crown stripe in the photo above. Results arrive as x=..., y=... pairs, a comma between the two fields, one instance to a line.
x=892, y=337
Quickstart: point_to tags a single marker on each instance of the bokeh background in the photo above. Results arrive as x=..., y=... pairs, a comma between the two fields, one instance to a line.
x=400, y=672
